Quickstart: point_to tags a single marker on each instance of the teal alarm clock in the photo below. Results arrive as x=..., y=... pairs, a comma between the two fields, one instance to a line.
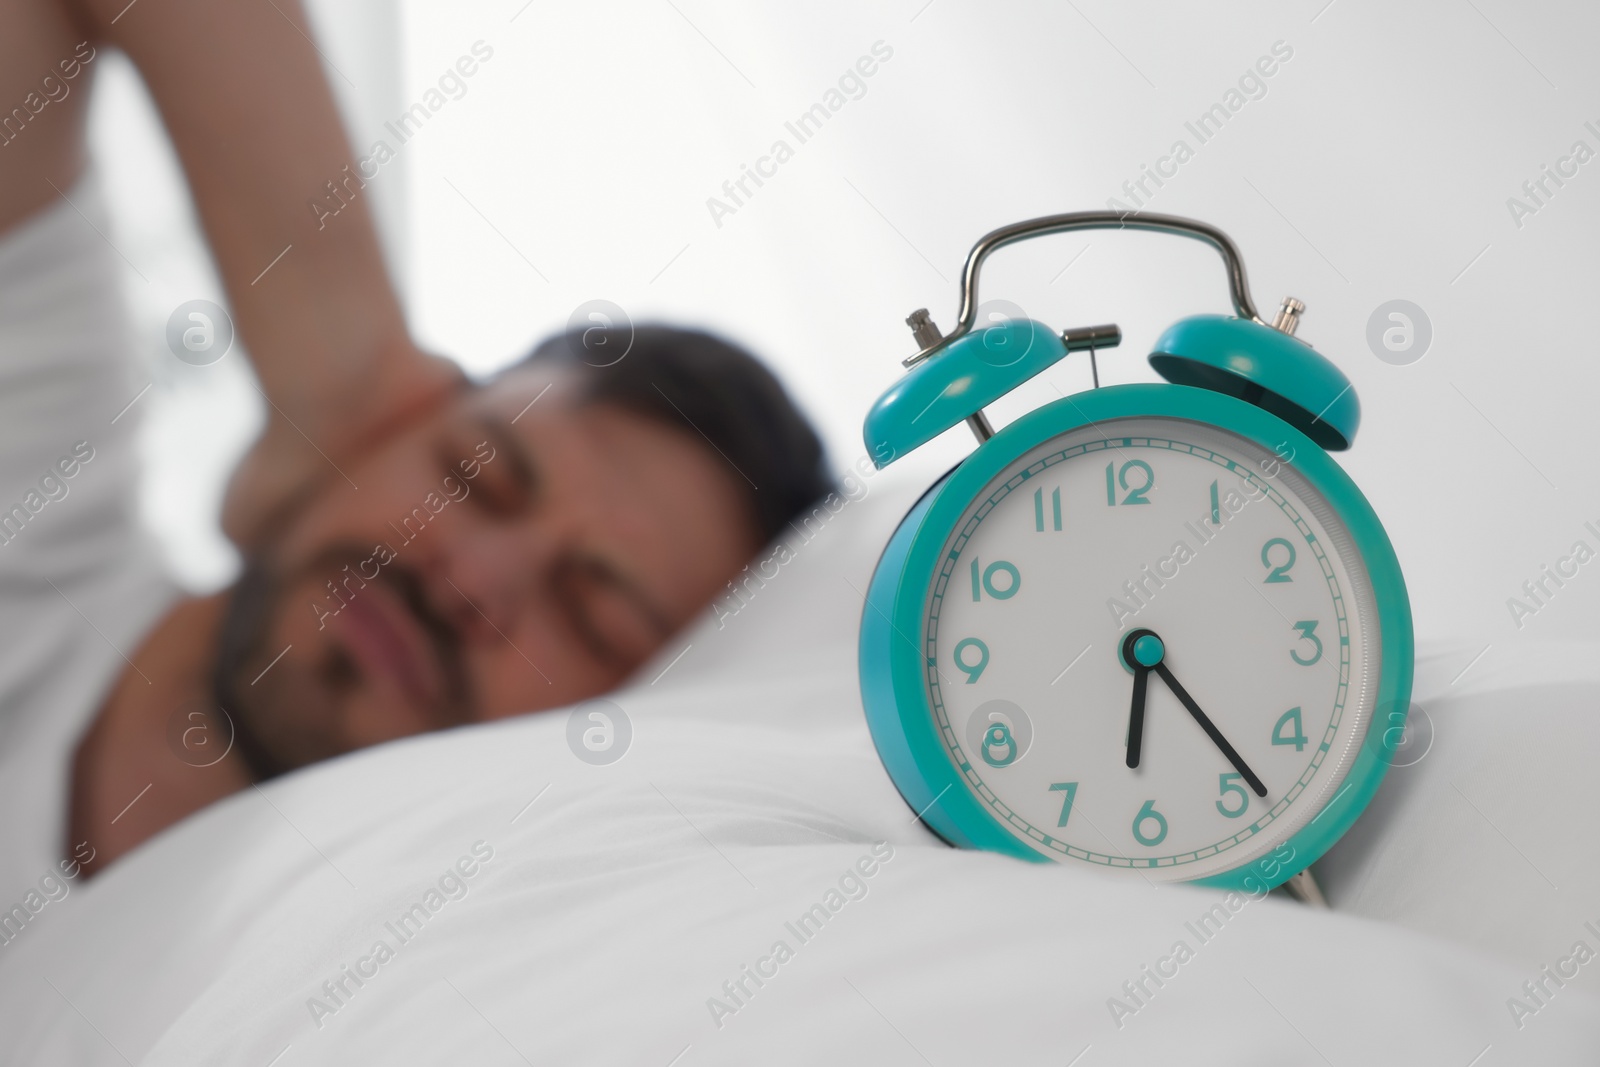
x=1145, y=627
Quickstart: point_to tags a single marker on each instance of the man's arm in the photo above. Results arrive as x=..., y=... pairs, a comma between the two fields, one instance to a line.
x=244, y=98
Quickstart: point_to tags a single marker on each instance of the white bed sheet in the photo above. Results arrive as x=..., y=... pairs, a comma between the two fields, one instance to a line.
x=617, y=904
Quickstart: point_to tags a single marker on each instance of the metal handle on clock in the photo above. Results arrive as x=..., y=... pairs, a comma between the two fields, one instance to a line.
x=1238, y=287
x=1304, y=888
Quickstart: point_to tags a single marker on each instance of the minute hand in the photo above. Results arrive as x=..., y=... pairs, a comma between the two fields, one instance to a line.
x=1210, y=728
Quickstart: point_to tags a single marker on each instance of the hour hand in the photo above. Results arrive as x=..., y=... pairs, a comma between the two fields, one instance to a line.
x=1136, y=716
x=1140, y=650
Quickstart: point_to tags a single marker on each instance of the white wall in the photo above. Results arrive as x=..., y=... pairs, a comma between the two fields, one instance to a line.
x=1377, y=166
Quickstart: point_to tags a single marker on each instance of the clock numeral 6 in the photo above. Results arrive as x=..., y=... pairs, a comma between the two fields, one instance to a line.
x=1136, y=494
x=1225, y=787
x=1148, y=813
x=971, y=670
x=1290, y=719
x=1071, y=791
x=986, y=584
x=1308, y=632
x=1277, y=572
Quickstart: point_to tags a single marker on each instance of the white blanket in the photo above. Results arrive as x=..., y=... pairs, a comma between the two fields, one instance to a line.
x=745, y=885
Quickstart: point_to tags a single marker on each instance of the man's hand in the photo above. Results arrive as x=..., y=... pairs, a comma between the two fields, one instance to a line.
x=242, y=92
x=291, y=459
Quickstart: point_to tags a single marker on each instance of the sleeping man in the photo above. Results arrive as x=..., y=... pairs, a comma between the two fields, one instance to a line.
x=420, y=551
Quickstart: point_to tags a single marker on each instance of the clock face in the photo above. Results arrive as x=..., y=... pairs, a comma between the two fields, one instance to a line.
x=1151, y=643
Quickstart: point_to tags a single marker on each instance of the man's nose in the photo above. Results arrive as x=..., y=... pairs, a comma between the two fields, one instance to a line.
x=483, y=577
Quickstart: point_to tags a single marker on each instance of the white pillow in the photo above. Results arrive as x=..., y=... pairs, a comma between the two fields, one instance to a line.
x=601, y=909
x=1484, y=831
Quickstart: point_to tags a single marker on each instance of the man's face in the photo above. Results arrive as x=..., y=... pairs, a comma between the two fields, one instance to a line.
x=494, y=558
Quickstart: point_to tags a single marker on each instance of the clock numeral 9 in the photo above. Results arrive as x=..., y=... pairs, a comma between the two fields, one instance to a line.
x=1308, y=632
x=1225, y=787
x=1290, y=719
x=1071, y=791
x=1136, y=495
x=1276, y=572
x=971, y=670
x=985, y=584
x=1148, y=813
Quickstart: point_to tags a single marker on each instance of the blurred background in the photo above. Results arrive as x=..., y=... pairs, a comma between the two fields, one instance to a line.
x=1375, y=164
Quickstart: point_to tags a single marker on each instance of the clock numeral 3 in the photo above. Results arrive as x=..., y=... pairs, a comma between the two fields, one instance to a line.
x=1071, y=791
x=1148, y=813
x=1290, y=719
x=1225, y=787
x=1276, y=572
x=971, y=670
x=1136, y=493
x=986, y=584
x=1308, y=632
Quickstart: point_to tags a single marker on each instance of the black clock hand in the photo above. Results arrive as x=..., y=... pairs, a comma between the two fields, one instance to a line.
x=1141, y=676
x=1140, y=650
x=1210, y=728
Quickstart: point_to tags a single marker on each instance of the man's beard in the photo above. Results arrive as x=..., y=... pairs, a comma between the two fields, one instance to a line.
x=270, y=742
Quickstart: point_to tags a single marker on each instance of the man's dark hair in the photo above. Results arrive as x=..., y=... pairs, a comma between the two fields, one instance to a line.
x=713, y=390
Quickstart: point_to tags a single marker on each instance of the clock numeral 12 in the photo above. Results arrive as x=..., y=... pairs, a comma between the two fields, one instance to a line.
x=1136, y=495
x=1071, y=791
x=985, y=584
x=1038, y=508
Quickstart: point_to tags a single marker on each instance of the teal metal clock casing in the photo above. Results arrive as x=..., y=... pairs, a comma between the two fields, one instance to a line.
x=1152, y=627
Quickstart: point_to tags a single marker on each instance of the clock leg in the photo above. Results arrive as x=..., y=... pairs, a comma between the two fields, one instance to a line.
x=1303, y=887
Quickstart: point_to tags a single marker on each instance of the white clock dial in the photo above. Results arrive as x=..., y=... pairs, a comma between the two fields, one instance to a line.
x=1265, y=617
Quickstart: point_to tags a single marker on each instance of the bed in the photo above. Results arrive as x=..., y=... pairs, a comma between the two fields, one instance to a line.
x=745, y=885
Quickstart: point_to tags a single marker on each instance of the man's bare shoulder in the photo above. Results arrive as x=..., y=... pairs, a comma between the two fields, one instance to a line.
x=46, y=65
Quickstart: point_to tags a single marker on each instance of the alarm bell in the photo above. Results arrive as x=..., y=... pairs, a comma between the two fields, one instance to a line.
x=952, y=378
